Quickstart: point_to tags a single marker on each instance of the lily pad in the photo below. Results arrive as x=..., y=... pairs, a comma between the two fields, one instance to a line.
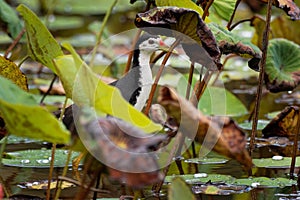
x=12, y=139
x=38, y=158
x=263, y=182
x=282, y=71
x=271, y=163
x=248, y=125
x=206, y=161
x=193, y=179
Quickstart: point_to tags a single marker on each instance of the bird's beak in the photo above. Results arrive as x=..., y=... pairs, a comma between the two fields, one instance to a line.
x=165, y=48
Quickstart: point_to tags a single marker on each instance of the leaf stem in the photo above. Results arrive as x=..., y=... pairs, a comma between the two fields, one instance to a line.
x=51, y=171
x=232, y=16
x=261, y=78
x=49, y=89
x=15, y=42
x=205, y=13
x=99, y=35
x=158, y=75
x=239, y=22
x=130, y=55
x=295, y=146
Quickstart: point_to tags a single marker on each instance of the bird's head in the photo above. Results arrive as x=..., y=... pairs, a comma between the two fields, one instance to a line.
x=152, y=44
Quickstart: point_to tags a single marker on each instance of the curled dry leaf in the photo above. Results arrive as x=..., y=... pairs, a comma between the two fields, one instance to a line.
x=197, y=39
x=289, y=6
x=126, y=150
x=284, y=124
x=221, y=133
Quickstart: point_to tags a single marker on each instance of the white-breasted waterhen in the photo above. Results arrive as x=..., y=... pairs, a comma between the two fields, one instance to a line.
x=135, y=86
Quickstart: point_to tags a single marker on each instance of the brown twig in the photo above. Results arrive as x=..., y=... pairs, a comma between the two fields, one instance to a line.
x=205, y=13
x=188, y=88
x=232, y=16
x=130, y=55
x=239, y=22
x=261, y=78
x=49, y=89
x=15, y=42
x=158, y=75
x=295, y=146
x=223, y=65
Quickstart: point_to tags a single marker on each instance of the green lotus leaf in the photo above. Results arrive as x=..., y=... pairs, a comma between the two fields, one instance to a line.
x=224, y=8
x=265, y=182
x=179, y=190
x=38, y=158
x=42, y=47
x=231, y=43
x=24, y=117
x=11, y=19
x=206, y=161
x=285, y=162
x=282, y=71
x=195, y=178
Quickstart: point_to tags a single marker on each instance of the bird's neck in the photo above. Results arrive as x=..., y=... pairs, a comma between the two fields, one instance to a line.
x=144, y=68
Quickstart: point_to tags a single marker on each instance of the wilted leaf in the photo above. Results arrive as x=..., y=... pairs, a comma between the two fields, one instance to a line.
x=281, y=27
x=43, y=185
x=220, y=134
x=24, y=117
x=230, y=43
x=289, y=6
x=41, y=45
x=198, y=41
x=284, y=124
x=10, y=70
x=282, y=71
x=178, y=190
x=38, y=158
x=10, y=19
x=91, y=91
x=125, y=149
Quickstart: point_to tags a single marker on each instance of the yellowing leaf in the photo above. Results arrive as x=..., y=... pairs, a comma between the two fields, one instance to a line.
x=24, y=117
x=41, y=45
x=10, y=70
x=85, y=88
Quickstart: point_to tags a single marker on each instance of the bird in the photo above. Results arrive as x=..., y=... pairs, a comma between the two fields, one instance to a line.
x=134, y=86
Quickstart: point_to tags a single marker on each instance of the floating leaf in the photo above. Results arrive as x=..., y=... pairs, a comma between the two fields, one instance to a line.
x=224, y=8
x=10, y=19
x=23, y=116
x=90, y=90
x=125, y=149
x=262, y=182
x=206, y=161
x=193, y=179
x=284, y=124
x=271, y=163
x=230, y=43
x=248, y=125
x=39, y=158
x=282, y=71
x=42, y=47
x=289, y=6
x=200, y=45
x=178, y=190
x=10, y=70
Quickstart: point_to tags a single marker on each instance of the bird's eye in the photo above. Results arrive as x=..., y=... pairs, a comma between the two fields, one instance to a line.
x=151, y=41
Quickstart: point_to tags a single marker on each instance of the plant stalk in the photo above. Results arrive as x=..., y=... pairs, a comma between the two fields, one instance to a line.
x=100, y=33
x=261, y=78
x=158, y=75
x=295, y=146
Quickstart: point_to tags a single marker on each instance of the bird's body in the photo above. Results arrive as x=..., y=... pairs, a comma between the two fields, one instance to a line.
x=135, y=86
